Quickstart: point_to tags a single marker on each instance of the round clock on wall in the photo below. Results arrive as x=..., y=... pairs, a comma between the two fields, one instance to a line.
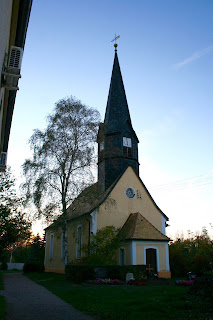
x=130, y=192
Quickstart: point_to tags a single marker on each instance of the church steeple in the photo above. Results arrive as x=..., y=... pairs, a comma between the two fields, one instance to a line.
x=117, y=140
x=117, y=110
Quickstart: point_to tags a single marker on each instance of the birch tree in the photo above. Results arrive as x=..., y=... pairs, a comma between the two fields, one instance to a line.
x=63, y=155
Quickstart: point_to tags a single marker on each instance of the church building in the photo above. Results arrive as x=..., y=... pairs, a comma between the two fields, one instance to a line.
x=119, y=198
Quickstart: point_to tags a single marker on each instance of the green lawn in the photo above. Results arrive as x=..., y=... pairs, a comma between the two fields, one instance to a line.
x=2, y=300
x=125, y=302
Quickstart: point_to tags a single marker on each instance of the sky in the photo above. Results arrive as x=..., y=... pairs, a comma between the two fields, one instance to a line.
x=165, y=52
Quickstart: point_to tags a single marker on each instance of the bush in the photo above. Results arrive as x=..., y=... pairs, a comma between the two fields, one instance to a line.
x=202, y=289
x=193, y=254
x=79, y=273
x=4, y=266
x=33, y=266
x=119, y=272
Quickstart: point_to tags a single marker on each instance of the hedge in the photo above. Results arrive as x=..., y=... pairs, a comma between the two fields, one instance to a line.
x=33, y=266
x=80, y=273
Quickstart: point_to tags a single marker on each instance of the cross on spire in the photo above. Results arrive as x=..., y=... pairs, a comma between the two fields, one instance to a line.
x=115, y=45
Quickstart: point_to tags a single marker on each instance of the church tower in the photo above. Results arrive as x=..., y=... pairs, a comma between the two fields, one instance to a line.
x=117, y=140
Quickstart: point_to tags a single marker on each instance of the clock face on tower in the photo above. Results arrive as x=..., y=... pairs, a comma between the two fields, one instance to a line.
x=130, y=192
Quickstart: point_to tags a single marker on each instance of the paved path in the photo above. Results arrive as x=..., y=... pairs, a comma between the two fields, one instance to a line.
x=28, y=300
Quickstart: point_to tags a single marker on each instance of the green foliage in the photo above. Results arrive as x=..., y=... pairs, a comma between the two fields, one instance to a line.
x=30, y=249
x=102, y=247
x=20, y=252
x=2, y=301
x=36, y=249
x=33, y=266
x=2, y=308
x=202, y=289
x=193, y=254
x=35, y=259
x=119, y=272
x=79, y=273
x=14, y=226
x=4, y=265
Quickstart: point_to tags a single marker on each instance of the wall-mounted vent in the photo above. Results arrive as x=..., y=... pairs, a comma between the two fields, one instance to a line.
x=15, y=57
x=11, y=74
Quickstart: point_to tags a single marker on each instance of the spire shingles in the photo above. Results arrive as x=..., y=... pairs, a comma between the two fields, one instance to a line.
x=117, y=111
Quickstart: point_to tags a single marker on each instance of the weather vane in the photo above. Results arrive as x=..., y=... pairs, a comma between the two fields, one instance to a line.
x=115, y=45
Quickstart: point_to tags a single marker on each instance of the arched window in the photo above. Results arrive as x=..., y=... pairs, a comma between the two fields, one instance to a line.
x=79, y=242
x=51, y=246
x=122, y=257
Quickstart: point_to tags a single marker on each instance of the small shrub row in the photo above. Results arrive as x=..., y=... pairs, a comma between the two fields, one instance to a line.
x=33, y=266
x=202, y=289
x=119, y=272
x=80, y=273
x=3, y=266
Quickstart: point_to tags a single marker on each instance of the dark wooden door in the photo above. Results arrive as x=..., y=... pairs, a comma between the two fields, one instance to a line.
x=151, y=258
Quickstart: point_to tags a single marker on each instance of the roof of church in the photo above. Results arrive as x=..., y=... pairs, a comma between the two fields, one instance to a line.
x=117, y=112
x=89, y=199
x=137, y=227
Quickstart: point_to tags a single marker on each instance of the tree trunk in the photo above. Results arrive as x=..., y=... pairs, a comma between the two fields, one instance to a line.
x=65, y=243
x=64, y=229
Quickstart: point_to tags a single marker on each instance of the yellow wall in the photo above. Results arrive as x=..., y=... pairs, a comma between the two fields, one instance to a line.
x=161, y=254
x=116, y=209
x=56, y=264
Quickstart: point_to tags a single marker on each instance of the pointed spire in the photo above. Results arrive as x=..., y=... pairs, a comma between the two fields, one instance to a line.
x=117, y=111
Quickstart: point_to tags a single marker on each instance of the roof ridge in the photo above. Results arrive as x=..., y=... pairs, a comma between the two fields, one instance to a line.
x=136, y=220
x=154, y=226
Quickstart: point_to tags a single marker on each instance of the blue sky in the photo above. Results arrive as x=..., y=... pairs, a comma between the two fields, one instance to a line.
x=165, y=52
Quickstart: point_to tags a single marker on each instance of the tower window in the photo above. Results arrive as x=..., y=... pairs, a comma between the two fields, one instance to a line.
x=127, y=142
x=127, y=147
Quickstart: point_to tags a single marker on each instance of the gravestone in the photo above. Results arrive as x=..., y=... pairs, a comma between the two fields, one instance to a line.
x=191, y=276
x=129, y=276
x=100, y=272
